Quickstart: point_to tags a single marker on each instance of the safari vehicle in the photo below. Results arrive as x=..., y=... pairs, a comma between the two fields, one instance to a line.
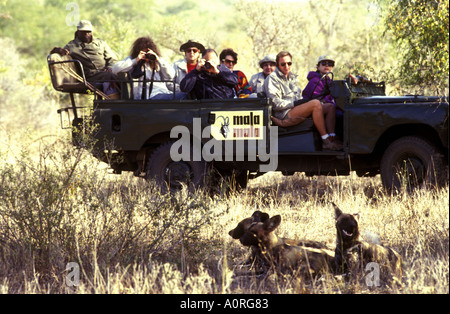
x=403, y=138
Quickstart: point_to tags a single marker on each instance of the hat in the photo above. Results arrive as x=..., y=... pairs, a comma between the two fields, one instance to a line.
x=85, y=26
x=268, y=58
x=191, y=43
x=325, y=58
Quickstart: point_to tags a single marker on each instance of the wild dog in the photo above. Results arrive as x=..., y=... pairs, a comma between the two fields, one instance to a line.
x=239, y=233
x=259, y=216
x=352, y=254
x=281, y=256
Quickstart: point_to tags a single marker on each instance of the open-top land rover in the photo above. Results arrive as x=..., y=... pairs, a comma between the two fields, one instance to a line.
x=403, y=138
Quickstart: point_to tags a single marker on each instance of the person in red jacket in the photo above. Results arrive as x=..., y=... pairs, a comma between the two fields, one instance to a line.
x=228, y=57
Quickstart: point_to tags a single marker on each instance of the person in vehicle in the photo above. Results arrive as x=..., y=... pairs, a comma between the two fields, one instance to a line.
x=145, y=65
x=192, y=52
x=268, y=65
x=288, y=106
x=228, y=57
x=210, y=80
x=318, y=87
x=94, y=54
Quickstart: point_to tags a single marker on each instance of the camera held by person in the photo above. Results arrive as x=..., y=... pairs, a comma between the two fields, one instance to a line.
x=150, y=56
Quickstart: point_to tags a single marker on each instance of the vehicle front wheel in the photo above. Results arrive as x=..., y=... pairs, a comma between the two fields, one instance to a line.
x=411, y=162
x=172, y=175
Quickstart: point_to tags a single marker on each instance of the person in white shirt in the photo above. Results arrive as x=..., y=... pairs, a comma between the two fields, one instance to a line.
x=268, y=65
x=145, y=65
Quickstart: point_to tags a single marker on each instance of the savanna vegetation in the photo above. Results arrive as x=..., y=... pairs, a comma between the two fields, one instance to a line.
x=59, y=205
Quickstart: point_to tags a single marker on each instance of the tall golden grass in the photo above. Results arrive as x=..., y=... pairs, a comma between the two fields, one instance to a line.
x=58, y=205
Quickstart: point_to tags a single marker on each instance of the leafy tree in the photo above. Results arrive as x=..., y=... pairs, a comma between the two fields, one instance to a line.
x=421, y=30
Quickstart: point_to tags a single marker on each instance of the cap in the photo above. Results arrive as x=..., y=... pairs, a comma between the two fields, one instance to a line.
x=268, y=58
x=85, y=26
x=190, y=44
x=325, y=58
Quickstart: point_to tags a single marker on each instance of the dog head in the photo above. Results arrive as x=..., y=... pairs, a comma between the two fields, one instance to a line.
x=346, y=225
x=244, y=224
x=260, y=233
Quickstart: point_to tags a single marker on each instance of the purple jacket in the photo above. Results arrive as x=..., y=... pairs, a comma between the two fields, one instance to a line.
x=314, y=77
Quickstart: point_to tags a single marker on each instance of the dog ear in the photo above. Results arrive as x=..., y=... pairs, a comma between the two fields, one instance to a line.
x=337, y=211
x=259, y=216
x=264, y=217
x=356, y=217
x=271, y=224
x=256, y=214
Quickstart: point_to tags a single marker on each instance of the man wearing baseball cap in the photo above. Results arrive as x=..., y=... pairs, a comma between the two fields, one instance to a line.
x=192, y=51
x=94, y=54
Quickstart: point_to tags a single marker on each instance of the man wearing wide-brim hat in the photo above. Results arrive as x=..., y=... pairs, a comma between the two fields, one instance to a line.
x=192, y=51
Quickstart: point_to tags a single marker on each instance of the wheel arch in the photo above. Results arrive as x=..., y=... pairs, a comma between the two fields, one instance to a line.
x=392, y=134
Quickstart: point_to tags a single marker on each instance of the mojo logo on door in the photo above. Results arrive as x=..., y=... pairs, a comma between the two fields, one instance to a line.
x=237, y=125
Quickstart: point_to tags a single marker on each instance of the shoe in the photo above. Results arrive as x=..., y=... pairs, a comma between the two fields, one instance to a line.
x=287, y=122
x=327, y=144
x=335, y=139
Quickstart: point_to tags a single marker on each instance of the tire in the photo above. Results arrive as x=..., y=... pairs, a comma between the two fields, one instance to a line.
x=172, y=175
x=412, y=162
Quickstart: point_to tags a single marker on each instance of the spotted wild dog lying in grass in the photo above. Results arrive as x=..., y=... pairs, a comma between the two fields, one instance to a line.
x=242, y=227
x=259, y=216
x=277, y=253
x=352, y=254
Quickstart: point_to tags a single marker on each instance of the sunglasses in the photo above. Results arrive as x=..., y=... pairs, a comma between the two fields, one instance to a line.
x=283, y=64
x=192, y=50
x=229, y=61
x=327, y=63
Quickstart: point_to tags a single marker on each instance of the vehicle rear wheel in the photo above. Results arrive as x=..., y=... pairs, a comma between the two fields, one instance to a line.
x=172, y=175
x=411, y=162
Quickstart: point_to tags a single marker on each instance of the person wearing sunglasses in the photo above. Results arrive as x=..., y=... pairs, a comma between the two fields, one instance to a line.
x=268, y=65
x=318, y=87
x=228, y=57
x=192, y=52
x=288, y=106
x=210, y=80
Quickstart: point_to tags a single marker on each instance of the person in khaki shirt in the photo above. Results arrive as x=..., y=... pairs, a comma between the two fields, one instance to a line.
x=94, y=54
x=289, y=108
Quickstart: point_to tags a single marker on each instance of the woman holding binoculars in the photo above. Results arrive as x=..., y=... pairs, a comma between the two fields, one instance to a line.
x=152, y=75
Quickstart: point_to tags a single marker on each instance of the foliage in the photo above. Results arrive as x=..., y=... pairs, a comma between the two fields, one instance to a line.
x=421, y=30
x=59, y=205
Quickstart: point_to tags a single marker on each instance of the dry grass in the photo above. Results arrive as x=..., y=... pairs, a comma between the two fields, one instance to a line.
x=58, y=205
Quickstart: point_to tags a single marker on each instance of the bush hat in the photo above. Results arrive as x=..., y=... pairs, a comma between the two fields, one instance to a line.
x=190, y=44
x=268, y=58
x=84, y=26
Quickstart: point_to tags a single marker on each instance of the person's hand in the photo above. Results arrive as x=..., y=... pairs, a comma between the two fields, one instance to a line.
x=141, y=55
x=149, y=51
x=212, y=68
x=200, y=64
x=60, y=51
x=353, y=78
